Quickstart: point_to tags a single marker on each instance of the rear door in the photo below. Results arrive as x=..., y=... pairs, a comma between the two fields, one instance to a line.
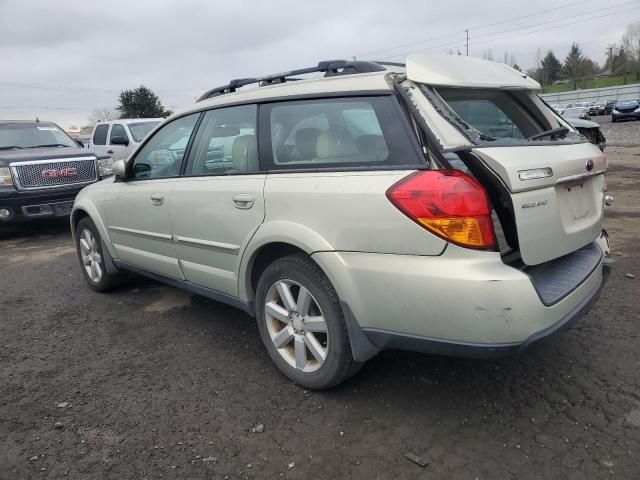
x=99, y=139
x=218, y=204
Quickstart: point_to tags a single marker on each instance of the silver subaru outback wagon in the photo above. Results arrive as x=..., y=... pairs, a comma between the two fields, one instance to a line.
x=439, y=206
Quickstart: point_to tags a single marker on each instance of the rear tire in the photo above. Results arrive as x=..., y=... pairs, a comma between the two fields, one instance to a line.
x=91, y=257
x=302, y=325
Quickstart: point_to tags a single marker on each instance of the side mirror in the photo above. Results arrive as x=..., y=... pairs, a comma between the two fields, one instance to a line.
x=118, y=140
x=119, y=169
x=80, y=142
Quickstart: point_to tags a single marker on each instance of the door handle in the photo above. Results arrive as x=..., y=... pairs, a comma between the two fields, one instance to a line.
x=110, y=152
x=157, y=199
x=243, y=200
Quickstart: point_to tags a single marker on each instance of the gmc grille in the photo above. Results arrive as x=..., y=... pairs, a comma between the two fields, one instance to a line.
x=55, y=173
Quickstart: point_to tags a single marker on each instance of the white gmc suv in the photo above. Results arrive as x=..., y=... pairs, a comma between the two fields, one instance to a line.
x=440, y=207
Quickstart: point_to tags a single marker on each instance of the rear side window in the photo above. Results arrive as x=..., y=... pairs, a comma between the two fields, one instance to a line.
x=337, y=133
x=100, y=135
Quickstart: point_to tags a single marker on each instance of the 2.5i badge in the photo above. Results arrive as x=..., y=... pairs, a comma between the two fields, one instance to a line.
x=539, y=203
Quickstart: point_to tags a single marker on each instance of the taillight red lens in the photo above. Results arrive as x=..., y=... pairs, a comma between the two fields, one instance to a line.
x=448, y=203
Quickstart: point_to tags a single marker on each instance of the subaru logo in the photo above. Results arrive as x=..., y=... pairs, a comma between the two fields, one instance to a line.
x=590, y=165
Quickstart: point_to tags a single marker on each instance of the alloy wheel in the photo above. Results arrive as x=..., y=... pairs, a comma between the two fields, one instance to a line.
x=91, y=258
x=296, y=325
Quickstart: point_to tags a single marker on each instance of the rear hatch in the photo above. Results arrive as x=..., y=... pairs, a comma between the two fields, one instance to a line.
x=550, y=176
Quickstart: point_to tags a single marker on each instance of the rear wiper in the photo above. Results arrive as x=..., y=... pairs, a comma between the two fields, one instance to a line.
x=49, y=145
x=10, y=147
x=554, y=132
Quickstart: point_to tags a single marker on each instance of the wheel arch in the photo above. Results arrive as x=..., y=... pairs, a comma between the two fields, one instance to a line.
x=87, y=209
x=270, y=243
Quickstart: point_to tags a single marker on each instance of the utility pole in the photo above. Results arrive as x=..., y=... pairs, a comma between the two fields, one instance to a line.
x=467, y=32
x=610, y=49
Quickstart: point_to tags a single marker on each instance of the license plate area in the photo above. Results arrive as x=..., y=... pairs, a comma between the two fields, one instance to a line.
x=577, y=203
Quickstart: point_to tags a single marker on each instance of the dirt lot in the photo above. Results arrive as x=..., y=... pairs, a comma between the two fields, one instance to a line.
x=151, y=382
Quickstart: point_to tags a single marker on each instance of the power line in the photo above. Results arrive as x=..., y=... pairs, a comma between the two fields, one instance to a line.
x=474, y=28
x=571, y=22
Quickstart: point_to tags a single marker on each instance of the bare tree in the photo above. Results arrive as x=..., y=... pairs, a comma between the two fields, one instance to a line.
x=631, y=45
x=102, y=115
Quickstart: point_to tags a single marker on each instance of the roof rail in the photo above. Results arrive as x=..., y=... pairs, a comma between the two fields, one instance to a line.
x=329, y=67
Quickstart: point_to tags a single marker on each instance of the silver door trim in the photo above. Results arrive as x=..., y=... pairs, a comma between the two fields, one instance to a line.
x=226, y=247
x=142, y=233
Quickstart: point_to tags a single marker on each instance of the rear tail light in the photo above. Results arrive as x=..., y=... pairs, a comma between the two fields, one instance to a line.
x=448, y=203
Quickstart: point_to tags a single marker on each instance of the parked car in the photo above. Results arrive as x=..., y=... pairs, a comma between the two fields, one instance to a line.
x=118, y=138
x=591, y=130
x=608, y=107
x=577, y=112
x=626, y=110
x=336, y=217
x=597, y=109
x=41, y=170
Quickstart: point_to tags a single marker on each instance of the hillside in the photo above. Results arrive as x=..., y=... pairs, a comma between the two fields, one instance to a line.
x=591, y=83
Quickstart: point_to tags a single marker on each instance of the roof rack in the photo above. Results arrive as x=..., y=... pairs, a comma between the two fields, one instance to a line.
x=329, y=67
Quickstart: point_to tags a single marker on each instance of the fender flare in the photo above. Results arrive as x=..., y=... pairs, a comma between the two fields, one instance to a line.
x=278, y=231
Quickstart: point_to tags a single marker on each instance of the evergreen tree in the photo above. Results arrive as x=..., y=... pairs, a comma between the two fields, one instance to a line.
x=141, y=102
x=551, y=68
x=574, y=64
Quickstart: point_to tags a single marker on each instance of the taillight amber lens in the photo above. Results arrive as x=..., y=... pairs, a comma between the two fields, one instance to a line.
x=448, y=203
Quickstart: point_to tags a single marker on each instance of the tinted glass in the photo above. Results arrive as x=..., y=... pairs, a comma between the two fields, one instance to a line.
x=33, y=135
x=162, y=155
x=486, y=117
x=117, y=130
x=225, y=143
x=358, y=132
x=139, y=130
x=100, y=135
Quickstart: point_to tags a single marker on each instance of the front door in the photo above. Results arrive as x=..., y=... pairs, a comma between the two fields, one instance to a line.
x=138, y=210
x=118, y=151
x=217, y=205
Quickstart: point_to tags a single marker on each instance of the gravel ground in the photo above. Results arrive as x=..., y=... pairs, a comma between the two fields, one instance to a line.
x=619, y=134
x=152, y=382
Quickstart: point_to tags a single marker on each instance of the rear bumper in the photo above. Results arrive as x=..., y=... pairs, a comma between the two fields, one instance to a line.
x=28, y=206
x=465, y=305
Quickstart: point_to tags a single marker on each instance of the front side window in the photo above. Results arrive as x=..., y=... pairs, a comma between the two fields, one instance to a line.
x=139, y=130
x=100, y=135
x=117, y=130
x=330, y=133
x=162, y=155
x=225, y=143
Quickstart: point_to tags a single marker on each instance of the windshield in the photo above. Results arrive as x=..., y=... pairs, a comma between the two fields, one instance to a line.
x=139, y=130
x=500, y=116
x=33, y=135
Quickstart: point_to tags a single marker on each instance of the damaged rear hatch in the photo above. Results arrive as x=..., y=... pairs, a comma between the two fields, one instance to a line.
x=545, y=180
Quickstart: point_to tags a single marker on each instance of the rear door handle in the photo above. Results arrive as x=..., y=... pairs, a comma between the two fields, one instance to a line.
x=110, y=152
x=157, y=199
x=243, y=200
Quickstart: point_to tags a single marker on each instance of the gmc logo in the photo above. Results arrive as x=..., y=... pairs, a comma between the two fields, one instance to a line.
x=63, y=172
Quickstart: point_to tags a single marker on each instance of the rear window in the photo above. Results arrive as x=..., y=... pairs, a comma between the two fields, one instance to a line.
x=338, y=133
x=100, y=134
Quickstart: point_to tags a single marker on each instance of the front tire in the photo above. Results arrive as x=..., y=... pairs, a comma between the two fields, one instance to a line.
x=302, y=325
x=91, y=257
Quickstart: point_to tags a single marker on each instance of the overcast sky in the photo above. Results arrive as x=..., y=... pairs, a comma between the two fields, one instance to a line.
x=61, y=59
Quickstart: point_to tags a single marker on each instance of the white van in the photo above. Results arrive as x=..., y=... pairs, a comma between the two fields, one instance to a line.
x=118, y=138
